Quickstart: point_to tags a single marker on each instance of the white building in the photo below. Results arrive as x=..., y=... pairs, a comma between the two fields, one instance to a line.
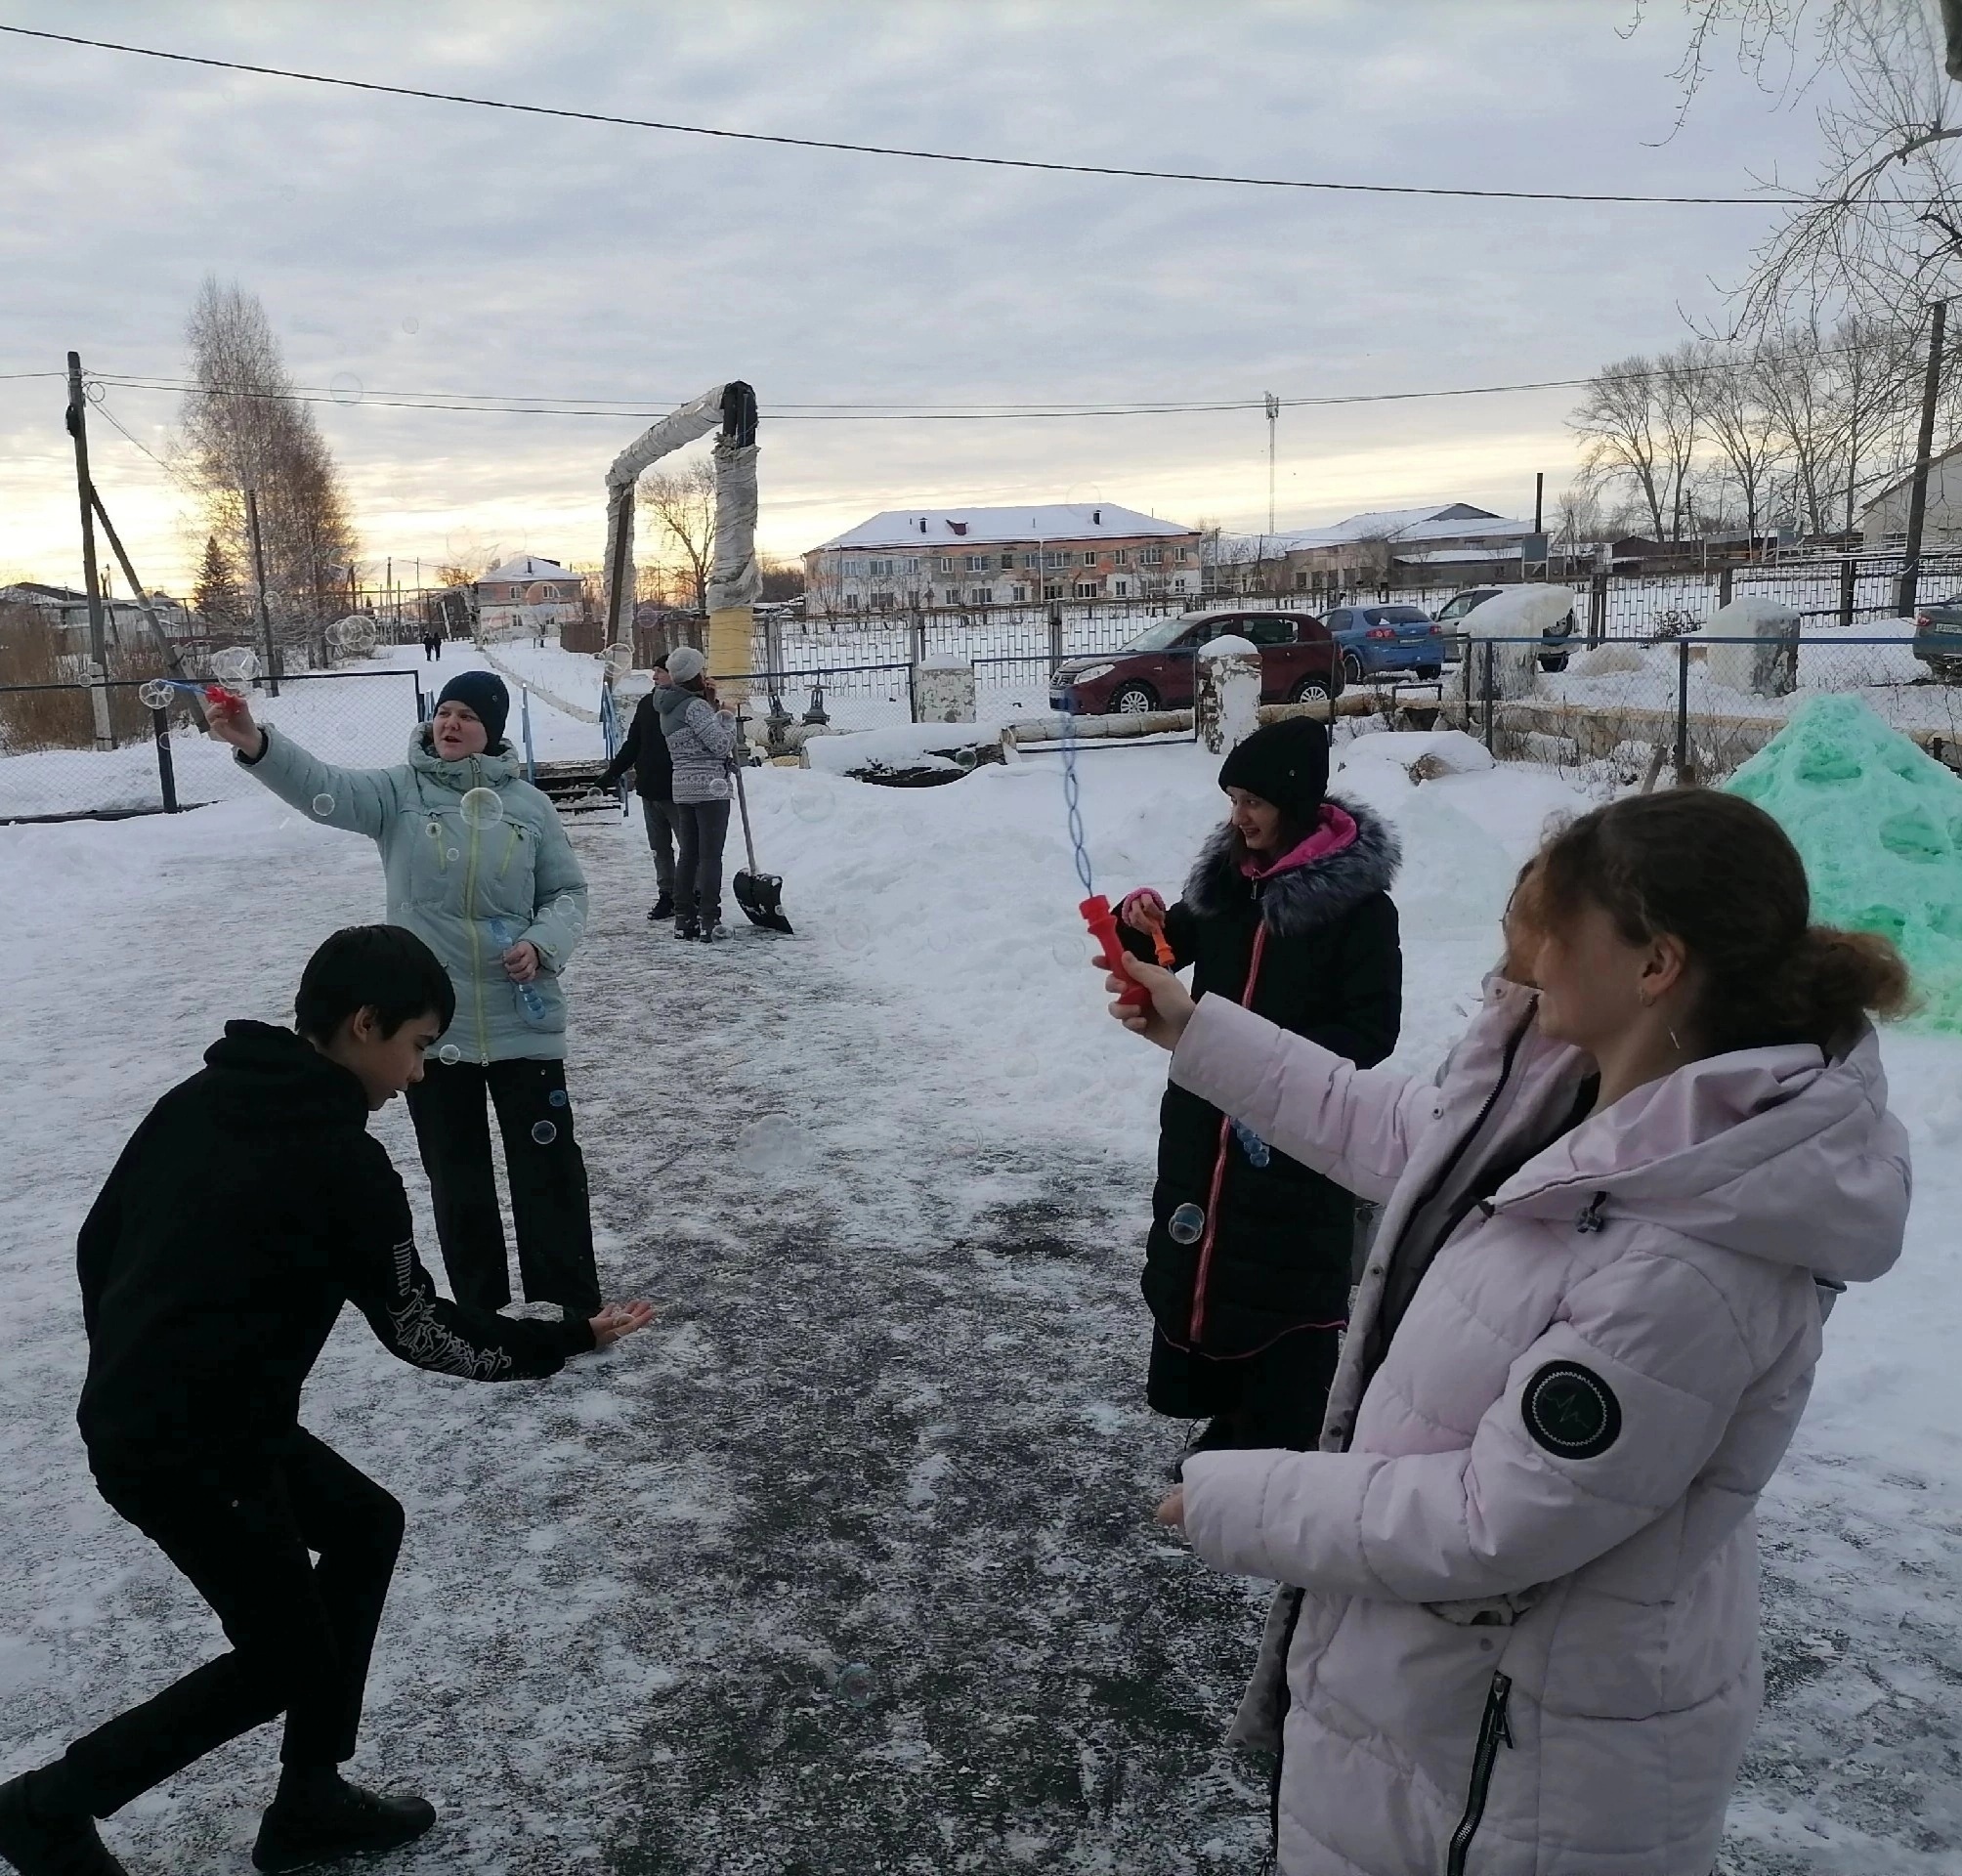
x=1447, y=544
x=909, y=558
x=1882, y=521
x=525, y=594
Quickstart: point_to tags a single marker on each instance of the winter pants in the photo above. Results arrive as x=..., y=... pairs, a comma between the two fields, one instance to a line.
x=549, y=1202
x=658, y=817
x=301, y=1632
x=1274, y=1398
x=702, y=826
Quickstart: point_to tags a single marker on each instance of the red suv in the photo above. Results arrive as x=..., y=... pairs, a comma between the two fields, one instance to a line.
x=1155, y=671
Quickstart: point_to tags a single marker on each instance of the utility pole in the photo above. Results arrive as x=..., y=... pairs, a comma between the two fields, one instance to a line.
x=259, y=581
x=99, y=649
x=1917, y=500
x=1273, y=425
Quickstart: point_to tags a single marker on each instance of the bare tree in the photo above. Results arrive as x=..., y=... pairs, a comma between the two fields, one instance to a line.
x=1880, y=231
x=1617, y=422
x=1736, y=421
x=243, y=429
x=1580, y=523
x=682, y=502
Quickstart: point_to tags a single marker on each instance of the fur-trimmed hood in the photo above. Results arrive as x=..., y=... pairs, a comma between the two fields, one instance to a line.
x=1296, y=901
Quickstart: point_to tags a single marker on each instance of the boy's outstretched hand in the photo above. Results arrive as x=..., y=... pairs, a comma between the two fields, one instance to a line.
x=1171, y=1009
x=620, y=1319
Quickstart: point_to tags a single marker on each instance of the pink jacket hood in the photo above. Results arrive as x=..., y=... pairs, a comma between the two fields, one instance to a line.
x=1779, y=1153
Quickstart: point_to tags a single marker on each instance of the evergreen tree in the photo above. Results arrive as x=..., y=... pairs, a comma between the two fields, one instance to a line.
x=218, y=596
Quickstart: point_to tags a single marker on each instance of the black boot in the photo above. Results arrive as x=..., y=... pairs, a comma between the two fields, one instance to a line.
x=686, y=927
x=37, y=1844
x=663, y=906
x=714, y=931
x=319, y=1818
x=1222, y=1433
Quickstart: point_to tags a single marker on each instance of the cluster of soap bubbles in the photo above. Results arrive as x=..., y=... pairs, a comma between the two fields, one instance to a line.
x=773, y=1146
x=480, y=807
x=356, y=635
x=235, y=664
x=345, y=388
x=618, y=659
x=324, y=805
x=545, y=1133
x=157, y=694
x=1187, y=1224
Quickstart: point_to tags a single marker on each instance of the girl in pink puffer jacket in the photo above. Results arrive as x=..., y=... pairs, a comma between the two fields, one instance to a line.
x=1519, y=1632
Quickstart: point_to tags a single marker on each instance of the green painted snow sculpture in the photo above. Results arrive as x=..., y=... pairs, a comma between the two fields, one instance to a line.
x=1879, y=826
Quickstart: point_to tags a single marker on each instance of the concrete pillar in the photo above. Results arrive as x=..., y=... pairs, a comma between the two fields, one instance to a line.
x=943, y=689
x=1227, y=693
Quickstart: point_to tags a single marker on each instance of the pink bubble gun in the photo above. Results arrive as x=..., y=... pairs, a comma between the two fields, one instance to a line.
x=1102, y=923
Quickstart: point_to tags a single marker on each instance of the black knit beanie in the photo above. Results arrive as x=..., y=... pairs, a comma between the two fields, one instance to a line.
x=1286, y=764
x=484, y=693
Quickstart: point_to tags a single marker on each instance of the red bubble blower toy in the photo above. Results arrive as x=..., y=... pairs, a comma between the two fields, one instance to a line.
x=1094, y=907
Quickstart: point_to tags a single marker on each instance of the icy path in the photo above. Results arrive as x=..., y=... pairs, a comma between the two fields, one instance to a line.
x=891, y=1422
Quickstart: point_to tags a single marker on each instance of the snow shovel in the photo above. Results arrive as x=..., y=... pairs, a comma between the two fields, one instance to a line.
x=759, y=894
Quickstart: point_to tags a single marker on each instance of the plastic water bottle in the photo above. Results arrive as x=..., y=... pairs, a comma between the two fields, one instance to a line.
x=529, y=1000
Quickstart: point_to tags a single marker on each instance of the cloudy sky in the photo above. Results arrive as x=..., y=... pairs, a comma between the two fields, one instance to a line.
x=403, y=246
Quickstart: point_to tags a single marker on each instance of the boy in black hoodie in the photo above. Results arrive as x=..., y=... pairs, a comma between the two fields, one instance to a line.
x=246, y=1210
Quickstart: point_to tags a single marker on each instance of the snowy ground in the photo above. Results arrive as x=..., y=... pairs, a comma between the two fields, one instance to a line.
x=847, y=1567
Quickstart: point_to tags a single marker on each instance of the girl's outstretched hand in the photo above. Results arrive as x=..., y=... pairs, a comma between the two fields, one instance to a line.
x=1170, y=1007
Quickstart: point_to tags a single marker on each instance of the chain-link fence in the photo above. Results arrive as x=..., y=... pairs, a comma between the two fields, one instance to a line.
x=50, y=768
x=1625, y=714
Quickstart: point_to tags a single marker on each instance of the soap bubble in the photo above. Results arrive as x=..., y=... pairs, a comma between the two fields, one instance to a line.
x=345, y=388
x=618, y=659
x=557, y=1097
x=453, y=854
x=1187, y=1226
x=411, y=325
x=324, y=805
x=545, y=1133
x=156, y=694
x=773, y=1145
x=812, y=804
x=855, y=1684
x=448, y=1055
x=235, y=664
x=1075, y=952
x=435, y=829
x=355, y=635
x=854, y=936
x=480, y=808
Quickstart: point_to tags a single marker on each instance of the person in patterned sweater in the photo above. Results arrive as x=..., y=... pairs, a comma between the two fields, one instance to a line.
x=248, y=1208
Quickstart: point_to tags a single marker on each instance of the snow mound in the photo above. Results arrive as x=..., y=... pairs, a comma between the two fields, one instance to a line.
x=1422, y=754
x=1879, y=826
x=906, y=746
x=1607, y=661
x=1231, y=645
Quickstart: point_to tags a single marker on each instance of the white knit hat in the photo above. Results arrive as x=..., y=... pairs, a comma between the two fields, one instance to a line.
x=684, y=664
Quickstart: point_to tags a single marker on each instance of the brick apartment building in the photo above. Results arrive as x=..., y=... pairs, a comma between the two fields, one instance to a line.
x=969, y=557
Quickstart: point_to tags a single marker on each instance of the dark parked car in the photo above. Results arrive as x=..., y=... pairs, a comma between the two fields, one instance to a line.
x=1155, y=671
x=1377, y=641
x=1937, y=638
x=1555, y=638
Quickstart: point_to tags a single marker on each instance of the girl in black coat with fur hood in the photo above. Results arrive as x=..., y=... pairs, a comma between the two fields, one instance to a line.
x=1287, y=912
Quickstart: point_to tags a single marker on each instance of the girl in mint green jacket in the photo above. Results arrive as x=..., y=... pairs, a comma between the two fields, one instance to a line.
x=479, y=868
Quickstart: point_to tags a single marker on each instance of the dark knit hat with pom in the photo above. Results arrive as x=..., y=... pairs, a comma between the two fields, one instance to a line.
x=1286, y=764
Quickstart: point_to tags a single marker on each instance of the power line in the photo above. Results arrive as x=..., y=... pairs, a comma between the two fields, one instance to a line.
x=913, y=155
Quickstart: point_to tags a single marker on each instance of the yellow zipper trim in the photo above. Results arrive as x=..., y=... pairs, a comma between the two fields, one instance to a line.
x=510, y=847
x=470, y=920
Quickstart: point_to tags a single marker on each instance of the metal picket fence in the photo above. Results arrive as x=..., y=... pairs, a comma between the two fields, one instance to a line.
x=49, y=769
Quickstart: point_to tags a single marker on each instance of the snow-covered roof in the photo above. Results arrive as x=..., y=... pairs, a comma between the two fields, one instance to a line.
x=987, y=527
x=1450, y=556
x=1447, y=521
x=526, y=567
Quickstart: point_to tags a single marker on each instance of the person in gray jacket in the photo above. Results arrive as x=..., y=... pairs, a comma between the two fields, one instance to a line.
x=478, y=867
x=700, y=739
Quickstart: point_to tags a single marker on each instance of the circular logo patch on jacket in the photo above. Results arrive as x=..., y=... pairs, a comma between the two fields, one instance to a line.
x=1571, y=1411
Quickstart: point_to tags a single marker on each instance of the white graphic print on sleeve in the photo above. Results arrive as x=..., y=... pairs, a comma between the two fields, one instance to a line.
x=423, y=1339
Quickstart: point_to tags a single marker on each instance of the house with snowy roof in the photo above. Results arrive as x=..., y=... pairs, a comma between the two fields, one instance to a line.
x=908, y=558
x=526, y=593
x=1444, y=544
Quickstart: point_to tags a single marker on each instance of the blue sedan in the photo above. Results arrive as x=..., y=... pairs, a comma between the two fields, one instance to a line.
x=1379, y=641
